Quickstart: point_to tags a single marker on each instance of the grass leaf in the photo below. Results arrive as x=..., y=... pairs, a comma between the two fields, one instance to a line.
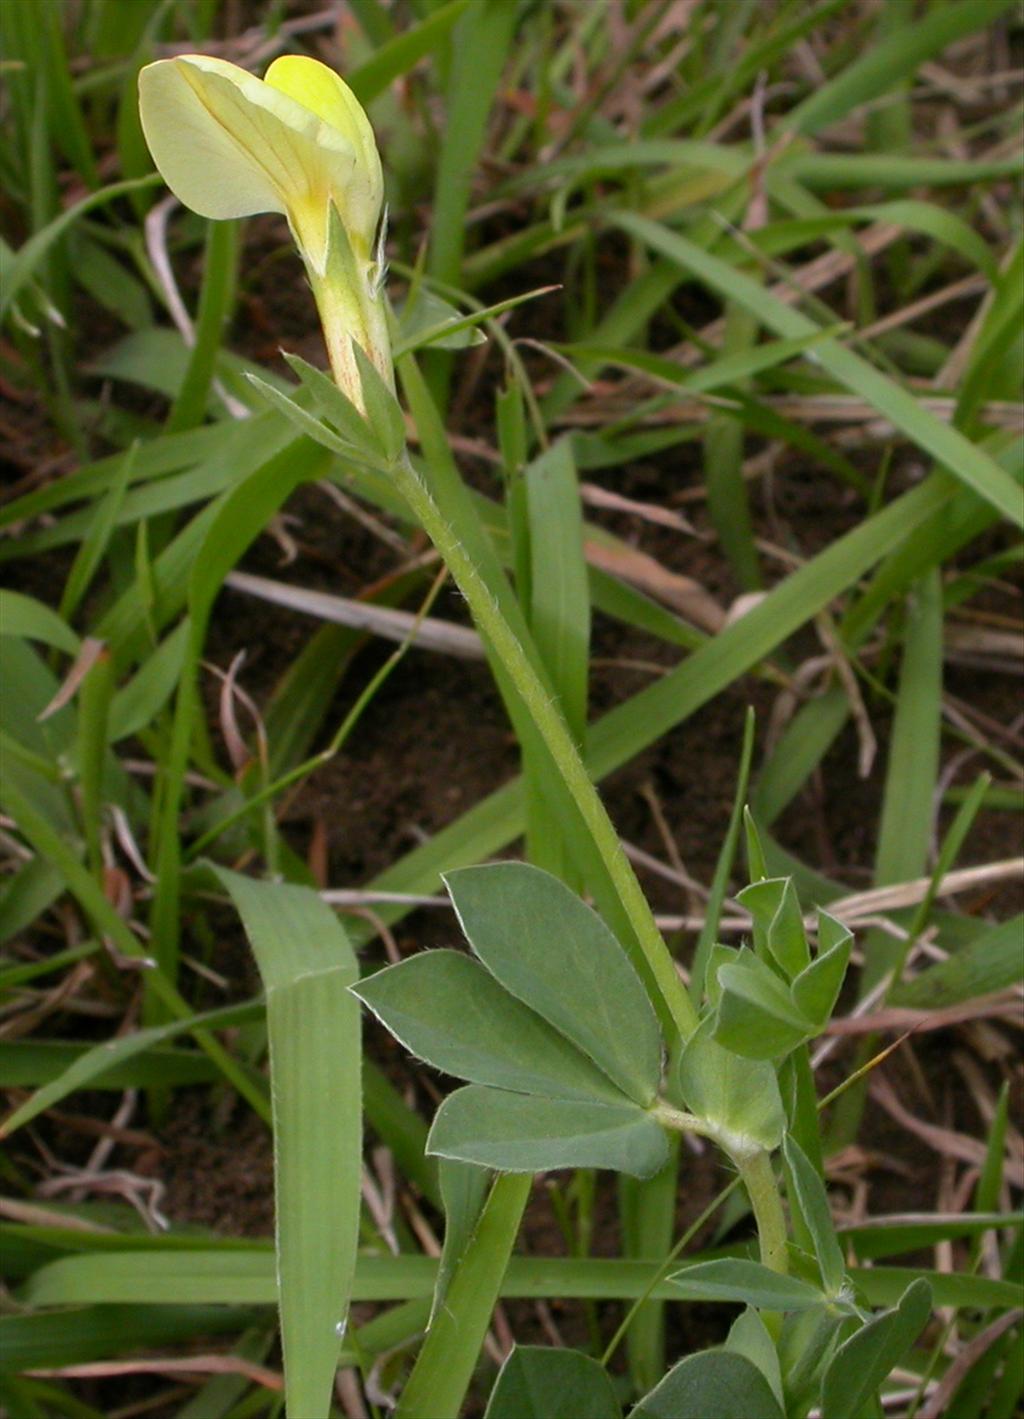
x=307, y=966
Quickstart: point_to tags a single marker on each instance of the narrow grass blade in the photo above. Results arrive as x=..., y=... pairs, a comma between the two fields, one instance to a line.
x=799, y=750
x=560, y=601
x=439, y=1380
x=894, y=172
x=46, y=1340
x=906, y=824
x=215, y=300
x=129, y=1062
x=991, y=363
x=990, y=1181
x=990, y=963
x=965, y=460
x=896, y=57
x=97, y=539
x=94, y=695
x=724, y=444
x=238, y=1273
x=29, y=257
x=480, y=45
x=879, y=1237
x=28, y=1064
x=946, y=858
x=396, y=56
x=647, y=1216
x=22, y=615
x=137, y=704
x=723, y=867
x=307, y=966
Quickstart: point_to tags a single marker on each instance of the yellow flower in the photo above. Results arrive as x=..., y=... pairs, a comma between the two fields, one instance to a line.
x=297, y=142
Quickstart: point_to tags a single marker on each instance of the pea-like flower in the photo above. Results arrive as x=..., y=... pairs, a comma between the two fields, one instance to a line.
x=296, y=142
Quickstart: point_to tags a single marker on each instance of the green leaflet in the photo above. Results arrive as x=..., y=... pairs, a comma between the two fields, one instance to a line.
x=813, y=1203
x=864, y=1360
x=551, y=951
x=734, y=1279
x=517, y=1133
x=716, y=1382
x=540, y=1383
x=450, y=1011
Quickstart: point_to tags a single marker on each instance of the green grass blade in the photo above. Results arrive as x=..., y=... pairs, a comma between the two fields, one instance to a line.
x=94, y=544
x=801, y=747
x=906, y=824
x=46, y=1340
x=444, y=1367
x=22, y=615
x=396, y=56
x=724, y=444
x=243, y=1274
x=965, y=460
x=647, y=1212
x=27, y=1064
x=307, y=966
x=559, y=601
x=480, y=44
x=113, y=1063
x=896, y=57
x=892, y=171
x=94, y=695
x=723, y=866
x=29, y=257
x=989, y=963
x=215, y=300
x=992, y=350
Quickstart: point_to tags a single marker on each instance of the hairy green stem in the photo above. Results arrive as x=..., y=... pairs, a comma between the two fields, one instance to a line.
x=559, y=742
x=754, y=1166
x=762, y=1189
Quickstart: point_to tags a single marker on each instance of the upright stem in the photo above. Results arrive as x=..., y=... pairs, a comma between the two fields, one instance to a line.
x=755, y=1169
x=759, y=1179
x=559, y=742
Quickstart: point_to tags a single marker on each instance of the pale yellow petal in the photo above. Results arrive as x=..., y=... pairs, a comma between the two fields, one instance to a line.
x=320, y=91
x=229, y=145
x=318, y=88
x=203, y=163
